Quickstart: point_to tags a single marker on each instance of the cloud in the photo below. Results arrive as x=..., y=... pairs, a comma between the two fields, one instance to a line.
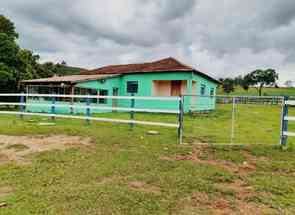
x=222, y=38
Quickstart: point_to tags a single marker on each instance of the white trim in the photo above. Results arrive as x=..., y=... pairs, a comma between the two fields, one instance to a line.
x=289, y=118
x=289, y=134
x=170, y=98
x=93, y=107
x=171, y=125
x=290, y=102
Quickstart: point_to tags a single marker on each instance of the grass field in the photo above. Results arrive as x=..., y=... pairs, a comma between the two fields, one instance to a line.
x=130, y=172
x=266, y=91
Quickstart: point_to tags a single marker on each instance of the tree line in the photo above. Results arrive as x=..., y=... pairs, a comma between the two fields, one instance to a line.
x=17, y=64
x=258, y=79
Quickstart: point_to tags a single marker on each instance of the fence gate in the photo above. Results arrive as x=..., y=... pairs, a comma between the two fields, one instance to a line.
x=285, y=133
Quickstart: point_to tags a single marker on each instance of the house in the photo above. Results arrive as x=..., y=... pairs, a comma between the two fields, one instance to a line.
x=166, y=77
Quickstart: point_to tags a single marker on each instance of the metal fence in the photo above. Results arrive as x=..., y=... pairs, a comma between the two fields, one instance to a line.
x=235, y=119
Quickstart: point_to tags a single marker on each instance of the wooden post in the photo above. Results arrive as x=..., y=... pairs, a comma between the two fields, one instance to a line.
x=180, y=120
x=132, y=117
x=284, y=126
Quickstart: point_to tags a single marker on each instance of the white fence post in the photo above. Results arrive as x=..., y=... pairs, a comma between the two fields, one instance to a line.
x=232, y=136
x=180, y=119
x=284, y=121
x=22, y=107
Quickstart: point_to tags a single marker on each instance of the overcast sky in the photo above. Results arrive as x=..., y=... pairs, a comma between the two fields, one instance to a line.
x=223, y=38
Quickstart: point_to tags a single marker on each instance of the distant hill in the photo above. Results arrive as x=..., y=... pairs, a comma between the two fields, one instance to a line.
x=269, y=91
x=68, y=70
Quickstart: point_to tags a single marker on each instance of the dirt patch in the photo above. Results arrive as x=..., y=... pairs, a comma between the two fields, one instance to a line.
x=242, y=190
x=5, y=191
x=15, y=148
x=241, y=169
x=143, y=187
x=200, y=201
x=3, y=158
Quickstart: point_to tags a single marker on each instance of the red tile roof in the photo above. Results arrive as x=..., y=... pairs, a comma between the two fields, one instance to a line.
x=165, y=65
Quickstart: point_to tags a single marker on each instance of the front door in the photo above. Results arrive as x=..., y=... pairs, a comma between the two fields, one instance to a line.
x=115, y=93
x=175, y=88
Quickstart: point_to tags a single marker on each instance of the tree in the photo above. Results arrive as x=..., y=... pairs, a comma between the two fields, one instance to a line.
x=260, y=78
x=8, y=50
x=7, y=27
x=47, y=69
x=288, y=83
x=228, y=85
x=238, y=80
x=244, y=85
x=27, y=66
x=6, y=78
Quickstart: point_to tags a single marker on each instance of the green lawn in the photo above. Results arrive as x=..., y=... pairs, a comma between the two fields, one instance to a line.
x=266, y=91
x=130, y=172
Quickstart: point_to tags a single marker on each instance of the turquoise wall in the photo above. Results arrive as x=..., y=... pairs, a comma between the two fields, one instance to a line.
x=145, y=84
x=202, y=102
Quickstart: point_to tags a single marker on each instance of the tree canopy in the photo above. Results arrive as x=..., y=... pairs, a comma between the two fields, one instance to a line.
x=228, y=85
x=260, y=78
x=7, y=27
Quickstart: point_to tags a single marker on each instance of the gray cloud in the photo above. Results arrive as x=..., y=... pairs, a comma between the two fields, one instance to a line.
x=223, y=38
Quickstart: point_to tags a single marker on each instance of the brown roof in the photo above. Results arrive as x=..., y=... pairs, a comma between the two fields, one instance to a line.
x=70, y=78
x=165, y=65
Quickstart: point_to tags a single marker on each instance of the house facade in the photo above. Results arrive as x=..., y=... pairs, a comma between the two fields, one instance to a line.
x=167, y=77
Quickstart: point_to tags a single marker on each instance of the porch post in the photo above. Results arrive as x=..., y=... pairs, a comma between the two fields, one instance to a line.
x=188, y=99
x=189, y=87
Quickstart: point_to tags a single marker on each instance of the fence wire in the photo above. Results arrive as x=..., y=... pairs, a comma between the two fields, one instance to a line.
x=233, y=120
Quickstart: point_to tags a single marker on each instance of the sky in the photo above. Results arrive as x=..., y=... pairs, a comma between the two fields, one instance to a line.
x=223, y=38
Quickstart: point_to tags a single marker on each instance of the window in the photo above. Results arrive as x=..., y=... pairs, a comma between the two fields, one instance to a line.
x=203, y=89
x=132, y=86
x=212, y=92
x=93, y=92
x=102, y=93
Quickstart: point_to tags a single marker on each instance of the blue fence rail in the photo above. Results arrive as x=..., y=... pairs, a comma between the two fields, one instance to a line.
x=285, y=133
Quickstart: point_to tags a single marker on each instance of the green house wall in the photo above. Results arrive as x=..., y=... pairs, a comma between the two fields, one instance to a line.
x=145, y=85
